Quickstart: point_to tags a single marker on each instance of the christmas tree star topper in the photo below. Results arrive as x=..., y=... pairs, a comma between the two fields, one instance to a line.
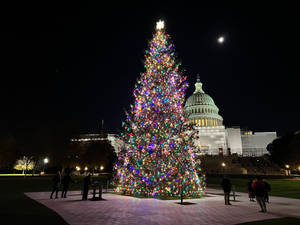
x=160, y=25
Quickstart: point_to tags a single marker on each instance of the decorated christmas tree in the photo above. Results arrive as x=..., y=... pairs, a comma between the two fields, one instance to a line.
x=157, y=158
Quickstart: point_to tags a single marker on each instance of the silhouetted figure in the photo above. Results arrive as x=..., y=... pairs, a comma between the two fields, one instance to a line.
x=56, y=182
x=65, y=184
x=259, y=190
x=251, y=191
x=86, y=184
x=226, y=185
x=267, y=190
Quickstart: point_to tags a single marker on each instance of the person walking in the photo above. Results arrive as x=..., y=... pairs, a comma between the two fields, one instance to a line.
x=56, y=182
x=251, y=191
x=65, y=184
x=86, y=184
x=226, y=185
x=259, y=190
x=267, y=190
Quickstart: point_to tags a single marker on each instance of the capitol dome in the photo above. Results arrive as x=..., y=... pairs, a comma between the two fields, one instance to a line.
x=201, y=108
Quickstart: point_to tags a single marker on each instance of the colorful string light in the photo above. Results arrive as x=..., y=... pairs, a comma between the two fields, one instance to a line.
x=157, y=159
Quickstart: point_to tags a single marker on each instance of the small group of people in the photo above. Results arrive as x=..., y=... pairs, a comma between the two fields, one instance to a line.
x=64, y=181
x=258, y=189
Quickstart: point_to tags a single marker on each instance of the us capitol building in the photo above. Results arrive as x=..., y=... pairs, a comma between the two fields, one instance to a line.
x=212, y=137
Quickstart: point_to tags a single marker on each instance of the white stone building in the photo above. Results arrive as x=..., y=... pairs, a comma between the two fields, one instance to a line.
x=86, y=138
x=213, y=138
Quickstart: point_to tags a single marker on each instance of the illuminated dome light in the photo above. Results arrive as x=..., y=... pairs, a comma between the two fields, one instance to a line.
x=160, y=25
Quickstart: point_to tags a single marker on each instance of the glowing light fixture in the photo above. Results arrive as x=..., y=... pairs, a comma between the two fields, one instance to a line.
x=287, y=166
x=160, y=25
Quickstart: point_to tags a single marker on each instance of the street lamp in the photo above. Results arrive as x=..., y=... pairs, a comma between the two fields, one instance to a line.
x=223, y=166
x=101, y=167
x=46, y=160
x=287, y=166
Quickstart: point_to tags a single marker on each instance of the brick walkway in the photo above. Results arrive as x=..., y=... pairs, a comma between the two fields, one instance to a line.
x=127, y=210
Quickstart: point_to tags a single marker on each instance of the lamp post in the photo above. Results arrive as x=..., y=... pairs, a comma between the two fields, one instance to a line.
x=101, y=168
x=287, y=166
x=223, y=167
x=46, y=160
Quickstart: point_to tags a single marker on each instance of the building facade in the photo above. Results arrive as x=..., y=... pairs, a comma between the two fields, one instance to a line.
x=212, y=137
x=90, y=138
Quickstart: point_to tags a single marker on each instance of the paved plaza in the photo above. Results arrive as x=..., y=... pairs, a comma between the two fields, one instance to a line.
x=116, y=209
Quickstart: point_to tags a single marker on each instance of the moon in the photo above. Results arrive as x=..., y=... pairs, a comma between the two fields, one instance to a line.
x=221, y=40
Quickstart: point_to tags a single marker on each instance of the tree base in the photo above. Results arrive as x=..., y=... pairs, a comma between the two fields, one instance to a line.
x=96, y=199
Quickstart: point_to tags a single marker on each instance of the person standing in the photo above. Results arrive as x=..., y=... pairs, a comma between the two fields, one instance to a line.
x=86, y=184
x=65, y=184
x=226, y=185
x=259, y=190
x=251, y=191
x=267, y=190
x=56, y=182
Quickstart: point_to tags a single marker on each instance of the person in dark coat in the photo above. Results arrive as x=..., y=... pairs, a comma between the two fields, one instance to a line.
x=86, y=184
x=259, y=190
x=251, y=191
x=267, y=190
x=65, y=184
x=226, y=185
x=56, y=182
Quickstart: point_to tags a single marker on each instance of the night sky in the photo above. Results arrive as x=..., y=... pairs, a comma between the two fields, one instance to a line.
x=79, y=63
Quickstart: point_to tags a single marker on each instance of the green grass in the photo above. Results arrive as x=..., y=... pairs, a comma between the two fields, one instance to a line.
x=279, y=187
x=17, y=208
x=281, y=221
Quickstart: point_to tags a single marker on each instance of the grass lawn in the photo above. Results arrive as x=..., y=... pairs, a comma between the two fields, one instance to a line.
x=16, y=208
x=279, y=187
x=281, y=221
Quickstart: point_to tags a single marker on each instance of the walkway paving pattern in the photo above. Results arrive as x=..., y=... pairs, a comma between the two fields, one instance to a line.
x=124, y=210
